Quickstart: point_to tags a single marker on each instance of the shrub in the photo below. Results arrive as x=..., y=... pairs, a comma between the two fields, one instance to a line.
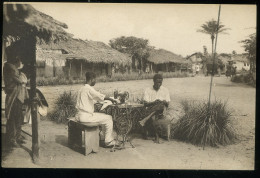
x=42, y=81
x=244, y=77
x=64, y=107
x=205, y=125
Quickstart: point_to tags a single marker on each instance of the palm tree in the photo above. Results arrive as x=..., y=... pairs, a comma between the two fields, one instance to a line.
x=211, y=27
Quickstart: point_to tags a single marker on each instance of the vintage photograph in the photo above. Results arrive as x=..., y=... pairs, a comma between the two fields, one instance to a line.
x=128, y=86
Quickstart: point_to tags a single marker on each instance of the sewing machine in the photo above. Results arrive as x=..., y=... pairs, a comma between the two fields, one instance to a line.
x=121, y=96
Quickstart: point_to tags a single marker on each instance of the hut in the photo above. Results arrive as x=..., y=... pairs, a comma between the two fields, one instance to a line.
x=23, y=27
x=165, y=61
x=241, y=62
x=197, y=60
x=75, y=56
x=225, y=59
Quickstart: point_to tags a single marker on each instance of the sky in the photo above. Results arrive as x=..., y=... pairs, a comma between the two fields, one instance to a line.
x=168, y=26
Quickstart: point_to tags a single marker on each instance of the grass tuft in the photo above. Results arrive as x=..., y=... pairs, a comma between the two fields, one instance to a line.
x=64, y=107
x=205, y=126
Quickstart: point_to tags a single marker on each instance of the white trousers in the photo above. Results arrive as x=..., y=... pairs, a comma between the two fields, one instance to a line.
x=104, y=119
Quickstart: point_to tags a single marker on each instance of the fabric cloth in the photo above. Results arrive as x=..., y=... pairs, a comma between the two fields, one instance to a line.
x=14, y=86
x=22, y=90
x=11, y=77
x=86, y=98
x=42, y=107
x=104, y=119
x=14, y=123
x=151, y=95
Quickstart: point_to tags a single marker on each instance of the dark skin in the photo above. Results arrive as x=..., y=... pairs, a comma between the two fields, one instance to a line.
x=92, y=83
x=156, y=87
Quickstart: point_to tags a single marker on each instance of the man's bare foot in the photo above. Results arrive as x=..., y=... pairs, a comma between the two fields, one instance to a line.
x=157, y=141
x=141, y=123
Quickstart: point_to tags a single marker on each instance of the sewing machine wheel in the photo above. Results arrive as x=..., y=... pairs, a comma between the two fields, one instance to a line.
x=123, y=125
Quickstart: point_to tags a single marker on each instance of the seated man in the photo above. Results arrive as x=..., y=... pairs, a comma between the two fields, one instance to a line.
x=156, y=100
x=86, y=97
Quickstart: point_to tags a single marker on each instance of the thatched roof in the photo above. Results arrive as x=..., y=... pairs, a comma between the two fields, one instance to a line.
x=22, y=19
x=90, y=51
x=239, y=57
x=161, y=56
x=224, y=59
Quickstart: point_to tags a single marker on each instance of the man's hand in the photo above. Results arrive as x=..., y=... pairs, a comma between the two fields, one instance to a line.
x=165, y=103
x=114, y=101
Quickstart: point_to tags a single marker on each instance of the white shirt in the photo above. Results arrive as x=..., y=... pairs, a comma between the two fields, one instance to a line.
x=151, y=94
x=86, y=98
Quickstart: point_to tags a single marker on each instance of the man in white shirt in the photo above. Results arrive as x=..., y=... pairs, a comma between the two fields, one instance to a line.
x=156, y=100
x=86, y=98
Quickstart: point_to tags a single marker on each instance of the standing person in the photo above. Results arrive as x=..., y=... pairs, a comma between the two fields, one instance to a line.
x=86, y=97
x=156, y=101
x=197, y=69
x=16, y=94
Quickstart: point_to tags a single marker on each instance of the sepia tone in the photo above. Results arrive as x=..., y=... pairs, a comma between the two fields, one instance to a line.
x=125, y=48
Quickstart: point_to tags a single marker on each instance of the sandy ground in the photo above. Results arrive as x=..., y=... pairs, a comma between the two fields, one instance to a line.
x=148, y=155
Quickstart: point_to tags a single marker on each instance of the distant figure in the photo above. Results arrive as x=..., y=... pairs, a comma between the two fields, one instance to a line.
x=197, y=68
x=231, y=71
x=86, y=97
x=147, y=69
x=16, y=95
x=156, y=101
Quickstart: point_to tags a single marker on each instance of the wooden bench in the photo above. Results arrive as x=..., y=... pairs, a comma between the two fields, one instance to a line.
x=91, y=135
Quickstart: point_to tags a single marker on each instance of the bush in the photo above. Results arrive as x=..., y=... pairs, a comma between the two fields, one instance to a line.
x=42, y=81
x=203, y=125
x=64, y=107
x=244, y=77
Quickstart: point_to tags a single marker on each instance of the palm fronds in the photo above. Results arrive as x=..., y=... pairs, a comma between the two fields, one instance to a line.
x=205, y=125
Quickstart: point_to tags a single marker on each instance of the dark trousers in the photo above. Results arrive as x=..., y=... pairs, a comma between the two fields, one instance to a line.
x=14, y=123
x=150, y=127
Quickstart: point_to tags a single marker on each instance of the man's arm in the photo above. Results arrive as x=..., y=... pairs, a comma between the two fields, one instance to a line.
x=100, y=97
x=110, y=99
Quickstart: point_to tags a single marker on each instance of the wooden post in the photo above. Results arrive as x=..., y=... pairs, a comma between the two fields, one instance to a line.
x=53, y=67
x=70, y=69
x=35, y=139
x=80, y=69
x=166, y=67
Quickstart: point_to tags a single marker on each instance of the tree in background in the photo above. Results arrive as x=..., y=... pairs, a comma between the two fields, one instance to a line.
x=250, y=48
x=137, y=47
x=210, y=27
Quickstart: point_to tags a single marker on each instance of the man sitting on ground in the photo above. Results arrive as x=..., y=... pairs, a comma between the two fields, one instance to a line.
x=156, y=100
x=86, y=97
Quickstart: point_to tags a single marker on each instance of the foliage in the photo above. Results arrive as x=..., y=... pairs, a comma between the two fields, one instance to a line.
x=250, y=48
x=211, y=27
x=41, y=81
x=205, y=125
x=136, y=47
x=64, y=107
x=244, y=77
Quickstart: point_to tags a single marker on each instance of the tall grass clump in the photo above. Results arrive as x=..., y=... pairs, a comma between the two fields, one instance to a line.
x=205, y=125
x=64, y=107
